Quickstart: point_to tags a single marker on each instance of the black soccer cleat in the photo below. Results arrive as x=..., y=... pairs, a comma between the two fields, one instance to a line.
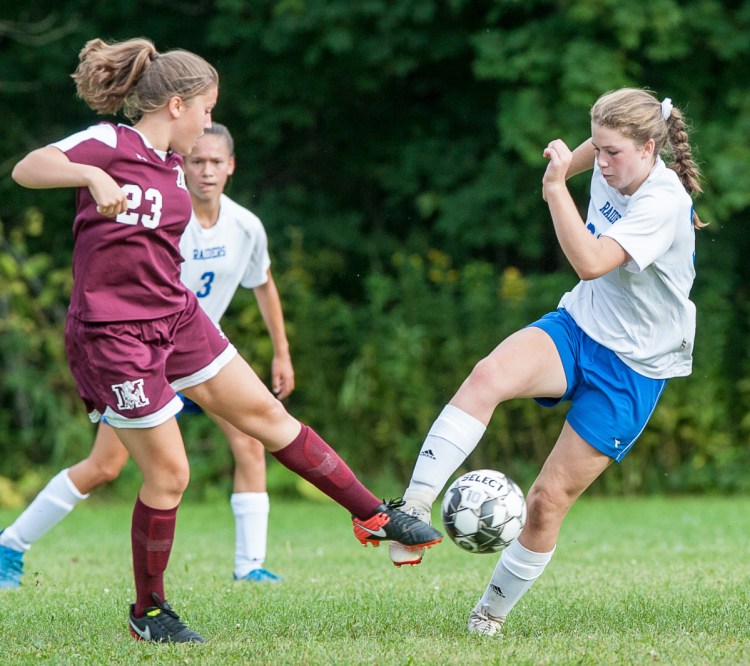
x=161, y=624
x=390, y=524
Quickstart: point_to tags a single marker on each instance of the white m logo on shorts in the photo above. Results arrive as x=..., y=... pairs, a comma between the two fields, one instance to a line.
x=130, y=394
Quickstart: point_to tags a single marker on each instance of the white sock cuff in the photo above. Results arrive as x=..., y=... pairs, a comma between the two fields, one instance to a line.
x=416, y=495
x=65, y=477
x=250, y=502
x=462, y=430
x=525, y=563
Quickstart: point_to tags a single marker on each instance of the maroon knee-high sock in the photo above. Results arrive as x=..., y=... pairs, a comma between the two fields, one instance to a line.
x=310, y=457
x=151, y=535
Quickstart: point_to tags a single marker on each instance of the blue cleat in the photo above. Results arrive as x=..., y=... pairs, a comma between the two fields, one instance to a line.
x=11, y=567
x=260, y=576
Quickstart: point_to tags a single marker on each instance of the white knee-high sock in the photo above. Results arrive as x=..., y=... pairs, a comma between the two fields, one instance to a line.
x=514, y=574
x=452, y=437
x=251, y=531
x=55, y=501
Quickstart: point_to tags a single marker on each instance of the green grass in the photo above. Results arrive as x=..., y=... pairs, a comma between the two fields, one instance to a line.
x=634, y=581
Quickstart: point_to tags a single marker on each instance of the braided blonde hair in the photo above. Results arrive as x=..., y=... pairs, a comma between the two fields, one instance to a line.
x=639, y=115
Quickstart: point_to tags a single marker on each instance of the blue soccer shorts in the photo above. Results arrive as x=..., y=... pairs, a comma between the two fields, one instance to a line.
x=610, y=402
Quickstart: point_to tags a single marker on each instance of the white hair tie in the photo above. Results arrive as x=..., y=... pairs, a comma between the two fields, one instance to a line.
x=666, y=108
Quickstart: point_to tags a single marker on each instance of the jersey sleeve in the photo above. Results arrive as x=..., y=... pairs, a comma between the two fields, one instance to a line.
x=259, y=261
x=94, y=146
x=646, y=231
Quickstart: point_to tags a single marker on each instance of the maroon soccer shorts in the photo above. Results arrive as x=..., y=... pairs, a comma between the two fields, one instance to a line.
x=130, y=371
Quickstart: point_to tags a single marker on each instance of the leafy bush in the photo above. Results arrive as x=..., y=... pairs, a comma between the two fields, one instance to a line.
x=371, y=375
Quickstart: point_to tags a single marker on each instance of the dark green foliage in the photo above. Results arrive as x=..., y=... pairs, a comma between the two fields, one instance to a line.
x=41, y=418
x=394, y=152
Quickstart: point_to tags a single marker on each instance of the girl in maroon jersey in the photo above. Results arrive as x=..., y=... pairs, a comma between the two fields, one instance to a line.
x=135, y=334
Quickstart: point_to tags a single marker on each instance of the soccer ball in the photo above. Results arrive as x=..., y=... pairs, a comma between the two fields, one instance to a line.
x=483, y=511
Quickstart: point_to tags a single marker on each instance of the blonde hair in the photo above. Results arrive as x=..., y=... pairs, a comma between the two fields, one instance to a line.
x=133, y=76
x=638, y=115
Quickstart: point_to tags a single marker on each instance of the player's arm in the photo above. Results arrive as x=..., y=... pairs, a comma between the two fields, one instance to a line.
x=282, y=371
x=49, y=167
x=582, y=159
x=590, y=257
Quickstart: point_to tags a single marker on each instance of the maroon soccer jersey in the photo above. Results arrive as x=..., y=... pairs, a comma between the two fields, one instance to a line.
x=128, y=268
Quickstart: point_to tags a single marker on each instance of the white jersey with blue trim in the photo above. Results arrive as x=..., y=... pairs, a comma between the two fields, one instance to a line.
x=219, y=259
x=642, y=310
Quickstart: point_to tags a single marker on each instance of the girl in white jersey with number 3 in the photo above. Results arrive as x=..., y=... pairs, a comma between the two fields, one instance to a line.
x=135, y=334
x=224, y=246
x=609, y=349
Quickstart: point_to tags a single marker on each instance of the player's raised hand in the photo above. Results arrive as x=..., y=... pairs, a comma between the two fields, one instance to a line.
x=559, y=156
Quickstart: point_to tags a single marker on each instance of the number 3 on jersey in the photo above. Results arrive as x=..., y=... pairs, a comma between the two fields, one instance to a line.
x=135, y=197
x=208, y=279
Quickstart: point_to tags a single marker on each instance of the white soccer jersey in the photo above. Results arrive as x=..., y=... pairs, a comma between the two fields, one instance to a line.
x=218, y=260
x=642, y=310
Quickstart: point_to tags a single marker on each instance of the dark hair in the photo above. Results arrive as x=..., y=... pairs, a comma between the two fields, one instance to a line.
x=218, y=129
x=133, y=76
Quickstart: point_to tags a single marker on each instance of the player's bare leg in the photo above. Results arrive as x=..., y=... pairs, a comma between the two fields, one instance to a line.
x=237, y=395
x=571, y=467
x=250, y=506
x=526, y=364
x=56, y=500
x=103, y=465
x=160, y=455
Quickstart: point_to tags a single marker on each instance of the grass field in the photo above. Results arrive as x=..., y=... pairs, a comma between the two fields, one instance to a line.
x=634, y=581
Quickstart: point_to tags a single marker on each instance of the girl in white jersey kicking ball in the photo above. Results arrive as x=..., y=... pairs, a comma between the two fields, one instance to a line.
x=224, y=247
x=609, y=349
x=136, y=335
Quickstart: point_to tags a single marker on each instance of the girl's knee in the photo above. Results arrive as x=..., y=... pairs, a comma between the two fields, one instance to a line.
x=108, y=472
x=482, y=372
x=169, y=478
x=181, y=478
x=546, y=505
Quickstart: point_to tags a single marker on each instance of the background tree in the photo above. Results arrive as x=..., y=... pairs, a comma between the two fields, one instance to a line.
x=393, y=149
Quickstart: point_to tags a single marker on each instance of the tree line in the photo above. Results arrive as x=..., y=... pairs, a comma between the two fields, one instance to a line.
x=393, y=149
